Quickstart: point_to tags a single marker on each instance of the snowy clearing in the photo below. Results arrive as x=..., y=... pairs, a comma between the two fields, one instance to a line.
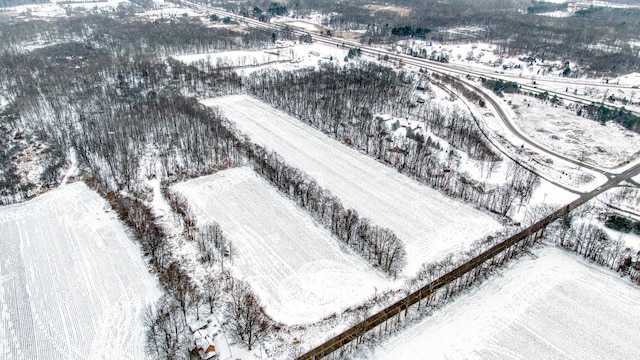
x=73, y=285
x=299, y=271
x=430, y=224
x=288, y=56
x=549, y=166
x=56, y=9
x=561, y=130
x=237, y=58
x=402, y=11
x=553, y=306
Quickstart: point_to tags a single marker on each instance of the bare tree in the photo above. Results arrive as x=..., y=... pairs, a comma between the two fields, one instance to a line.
x=179, y=285
x=247, y=322
x=167, y=337
x=212, y=290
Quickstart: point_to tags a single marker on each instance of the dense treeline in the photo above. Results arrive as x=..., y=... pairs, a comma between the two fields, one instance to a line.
x=499, y=86
x=162, y=37
x=9, y=3
x=340, y=100
x=378, y=246
x=544, y=7
x=110, y=101
x=407, y=30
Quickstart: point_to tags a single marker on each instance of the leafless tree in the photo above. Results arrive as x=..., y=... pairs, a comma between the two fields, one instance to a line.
x=245, y=317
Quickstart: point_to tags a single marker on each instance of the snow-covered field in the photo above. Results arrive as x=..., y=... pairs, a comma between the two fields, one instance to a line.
x=554, y=306
x=298, y=270
x=430, y=224
x=561, y=130
x=288, y=55
x=73, y=284
x=236, y=58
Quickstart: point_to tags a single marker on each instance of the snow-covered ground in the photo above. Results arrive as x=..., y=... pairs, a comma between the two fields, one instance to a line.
x=167, y=11
x=288, y=55
x=631, y=240
x=55, y=10
x=300, y=272
x=238, y=58
x=552, y=306
x=551, y=167
x=430, y=224
x=73, y=284
x=561, y=130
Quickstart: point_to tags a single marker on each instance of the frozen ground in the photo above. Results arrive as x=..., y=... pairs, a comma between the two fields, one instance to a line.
x=54, y=9
x=572, y=176
x=430, y=224
x=561, y=130
x=73, y=285
x=554, y=306
x=236, y=58
x=288, y=55
x=298, y=270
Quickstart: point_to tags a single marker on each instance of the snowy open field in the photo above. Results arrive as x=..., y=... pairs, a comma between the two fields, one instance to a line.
x=430, y=224
x=298, y=270
x=73, y=285
x=556, y=306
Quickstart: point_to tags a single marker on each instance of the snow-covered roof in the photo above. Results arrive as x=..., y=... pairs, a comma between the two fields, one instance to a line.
x=204, y=344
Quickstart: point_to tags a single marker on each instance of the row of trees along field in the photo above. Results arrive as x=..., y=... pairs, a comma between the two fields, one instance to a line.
x=379, y=246
x=341, y=101
x=430, y=272
x=593, y=243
